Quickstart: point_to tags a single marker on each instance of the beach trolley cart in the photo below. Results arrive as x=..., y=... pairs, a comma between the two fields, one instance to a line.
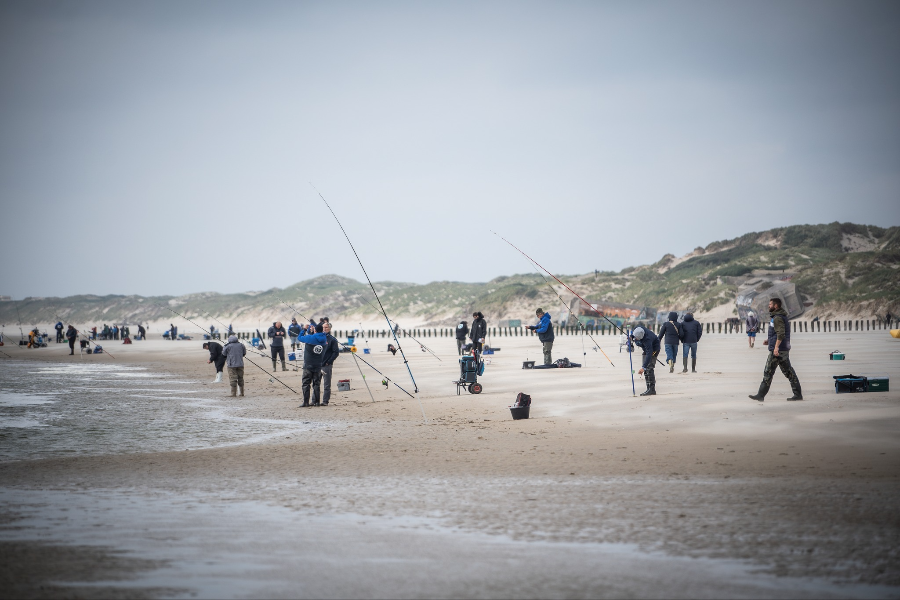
x=469, y=369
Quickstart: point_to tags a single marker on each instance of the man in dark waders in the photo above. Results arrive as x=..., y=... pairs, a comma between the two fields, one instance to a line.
x=313, y=359
x=649, y=343
x=544, y=329
x=779, y=351
x=462, y=329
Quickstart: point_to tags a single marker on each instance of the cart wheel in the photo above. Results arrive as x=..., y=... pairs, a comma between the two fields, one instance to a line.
x=475, y=388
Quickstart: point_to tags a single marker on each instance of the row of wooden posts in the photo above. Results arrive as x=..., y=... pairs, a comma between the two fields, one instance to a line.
x=730, y=327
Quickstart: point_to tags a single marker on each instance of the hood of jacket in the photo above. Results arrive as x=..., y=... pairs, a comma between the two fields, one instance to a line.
x=688, y=317
x=232, y=339
x=673, y=316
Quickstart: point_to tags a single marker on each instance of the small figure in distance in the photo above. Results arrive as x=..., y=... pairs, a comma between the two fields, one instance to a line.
x=71, y=335
x=294, y=330
x=142, y=332
x=691, y=332
x=752, y=328
x=276, y=334
x=649, y=343
x=477, y=334
x=462, y=329
x=779, y=351
x=235, y=352
x=392, y=349
x=215, y=357
x=544, y=329
x=671, y=333
x=59, y=331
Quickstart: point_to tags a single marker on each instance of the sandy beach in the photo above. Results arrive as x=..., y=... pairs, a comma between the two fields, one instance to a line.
x=696, y=492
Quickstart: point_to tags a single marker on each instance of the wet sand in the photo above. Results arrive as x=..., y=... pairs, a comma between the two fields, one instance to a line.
x=697, y=491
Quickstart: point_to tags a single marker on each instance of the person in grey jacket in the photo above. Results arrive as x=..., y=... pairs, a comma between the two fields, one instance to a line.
x=235, y=352
x=332, y=352
x=691, y=332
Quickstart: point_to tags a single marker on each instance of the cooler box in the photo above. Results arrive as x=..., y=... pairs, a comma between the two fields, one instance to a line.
x=138, y=338
x=292, y=356
x=836, y=355
x=344, y=385
x=254, y=342
x=848, y=385
x=528, y=364
x=877, y=383
x=366, y=351
x=350, y=340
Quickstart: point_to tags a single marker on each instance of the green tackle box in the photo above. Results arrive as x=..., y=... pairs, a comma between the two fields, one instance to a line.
x=836, y=355
x=878, y=383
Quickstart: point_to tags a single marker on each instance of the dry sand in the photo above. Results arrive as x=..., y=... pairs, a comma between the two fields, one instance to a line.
x=696, y=492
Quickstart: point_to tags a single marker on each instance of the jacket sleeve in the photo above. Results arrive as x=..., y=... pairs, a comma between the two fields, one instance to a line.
x=542, y=328
x=699, y=330
x=778, y=323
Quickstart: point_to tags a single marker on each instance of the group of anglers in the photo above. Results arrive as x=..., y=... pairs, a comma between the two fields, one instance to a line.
x=320, y=351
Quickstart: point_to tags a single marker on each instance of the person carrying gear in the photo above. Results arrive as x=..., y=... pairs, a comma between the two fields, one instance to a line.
x=752, y=328
x=332, y=352
x=779, y=351
x=276, y=334
x=691, y=332
x=544, y=329
x=478, y=333
x=59, y=331
x=215, y=357
x=313, y=358
x=71, y=334
x=142, y=332
x=671, y=334
x=294, y=330
x=461, y=330
x=235, y=352
x=649, y=343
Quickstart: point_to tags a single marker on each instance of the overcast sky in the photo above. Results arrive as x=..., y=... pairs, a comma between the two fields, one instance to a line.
x=167, y=147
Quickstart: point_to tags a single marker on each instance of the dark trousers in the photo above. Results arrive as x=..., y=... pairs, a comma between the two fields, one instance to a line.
x=59, y=336
x=476, y=350
x=326, y=383
x=277, y=351
x=783, y=362
x=311, y=378
x=650, y=371
x=220, y=364
x=459, y=345
x=72, y=345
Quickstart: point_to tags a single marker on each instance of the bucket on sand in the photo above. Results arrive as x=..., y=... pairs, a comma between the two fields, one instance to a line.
x=522, y=407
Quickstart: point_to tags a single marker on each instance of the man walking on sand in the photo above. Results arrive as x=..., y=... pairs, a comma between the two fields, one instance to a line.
x=235, y=352
x=461, y=330
x=779, y=350
x=671, y=334
x=332, y=352
x=752, y=328
x=544, y=329
x=691, y=332
x=313, y=358
x=276, y=334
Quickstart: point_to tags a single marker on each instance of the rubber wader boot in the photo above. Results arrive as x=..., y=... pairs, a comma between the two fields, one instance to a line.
x=797, y=393
x=218, y=378
x=242, y=390
x=651, y=391
x=671, y=365
x=274, y=366
x=233, y=391
x=761, y=394
x=693, y=365
x=283, y=368
x=685, y=365
x=304, y=405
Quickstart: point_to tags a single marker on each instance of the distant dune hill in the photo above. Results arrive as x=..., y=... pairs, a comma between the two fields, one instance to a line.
x=839, y=269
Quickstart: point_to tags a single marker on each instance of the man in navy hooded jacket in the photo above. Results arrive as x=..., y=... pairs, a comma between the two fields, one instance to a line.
x=544, y=329
x=313, y=358
x=649, y=343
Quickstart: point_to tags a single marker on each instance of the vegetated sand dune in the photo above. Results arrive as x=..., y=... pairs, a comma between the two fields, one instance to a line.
x=600, y=493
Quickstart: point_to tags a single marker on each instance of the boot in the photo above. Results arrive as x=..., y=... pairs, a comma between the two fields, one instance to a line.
x=671, y=365
x=693, y=364
x=283, y=368
x=797, y=393
x=651, y=391
x=685, y=365
x=242, y=390
x=761, y=394
x=305, y=404
x=218, y=378
x=274, y=366
x=233, y=391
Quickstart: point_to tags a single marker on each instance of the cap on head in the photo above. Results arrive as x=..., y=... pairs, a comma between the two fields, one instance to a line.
x=539, y=312
x=638, y=333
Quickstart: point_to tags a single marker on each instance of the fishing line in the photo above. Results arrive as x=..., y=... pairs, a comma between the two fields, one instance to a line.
x=105, y=351
x=405, y=361
x=405, y=332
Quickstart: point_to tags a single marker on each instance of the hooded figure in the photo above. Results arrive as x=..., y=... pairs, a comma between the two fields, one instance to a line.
x=461, y=330
x=478, y=333
x=216, y=357
x=752, y=328
x=313, y=358
x=235, y=352
x=671, y=335
x=544, y=330
x=691, y=332
x=649, y=343
x=71, y=334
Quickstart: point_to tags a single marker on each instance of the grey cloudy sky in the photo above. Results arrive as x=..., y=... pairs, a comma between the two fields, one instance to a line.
x=166, y=147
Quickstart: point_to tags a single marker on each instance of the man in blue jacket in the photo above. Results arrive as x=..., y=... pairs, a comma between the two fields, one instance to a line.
x=691, y=331
x=313, y=358
x=649, y=343
x=59, y=332
x=294, y=330
x=544, y=329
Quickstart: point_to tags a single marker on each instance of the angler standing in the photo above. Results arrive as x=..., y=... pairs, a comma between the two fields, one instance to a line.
x=235, y=352
x=779, y=351
x=752, y=328
x=59, y=331
x=649, y=343
x=215, y=357
x=332, y=352
x=671, y=332
x=461, y=330
x=544, y=329
x=71, y=335
x=691, y=332
x=294, y=330
x=313, y=358
x=477, y=334
x=276, y=334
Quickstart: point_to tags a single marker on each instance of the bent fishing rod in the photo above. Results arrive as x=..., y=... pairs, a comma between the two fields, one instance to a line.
x=86, y=337
x=588, y=304
x=356, y=358
x=248, y=359
x=383, y=312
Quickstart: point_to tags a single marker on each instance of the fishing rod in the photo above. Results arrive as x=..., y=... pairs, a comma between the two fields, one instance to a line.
x=86, y=337
x=357, y=359
x=630, y=349
x=616, y=327
x=405, y=361
x=248, y=359
x=406, y=332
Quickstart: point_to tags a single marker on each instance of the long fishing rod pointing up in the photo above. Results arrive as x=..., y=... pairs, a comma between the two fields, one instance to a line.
x=383, y=312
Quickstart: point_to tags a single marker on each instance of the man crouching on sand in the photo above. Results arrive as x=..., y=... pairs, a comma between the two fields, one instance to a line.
x=235, y=352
